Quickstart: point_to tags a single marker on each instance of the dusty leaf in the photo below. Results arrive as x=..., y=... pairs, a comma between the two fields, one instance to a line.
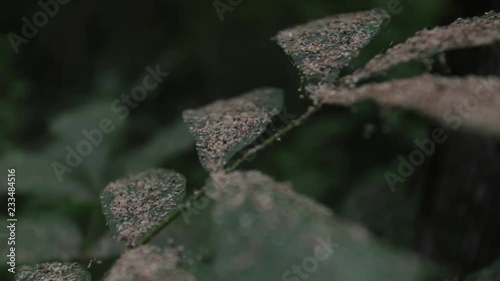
x=223, y=128
x=462, y=33
x=472, y=101
x=321, y=48
x=148, y=263
x=136, y=205
x=54, y=272
x=266, y=230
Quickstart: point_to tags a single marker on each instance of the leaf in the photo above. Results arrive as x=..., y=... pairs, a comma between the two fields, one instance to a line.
x=105, y=248
x=470, y=101
x=69, y=125
x=165, y=144
x=266, y=231
x=321, y=48
x=54, y=272
x=463, y=33
x=223, y=128
x=490, y=273
x=35, y=176
x=47, y=238
x=392, y=216
x=137, y=205
x=148, y=263
x=87, y=133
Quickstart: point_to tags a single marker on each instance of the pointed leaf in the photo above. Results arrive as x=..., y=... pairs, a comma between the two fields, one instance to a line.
x=165, y=144
x=148, y=263
x=266, y=231
x=223, y=128
x=53, y=271
x=471, y=101
x=463, y=33
x=321, y=48
x=136, y=205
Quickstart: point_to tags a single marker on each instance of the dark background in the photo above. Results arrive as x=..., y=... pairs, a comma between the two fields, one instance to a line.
x=93, y=51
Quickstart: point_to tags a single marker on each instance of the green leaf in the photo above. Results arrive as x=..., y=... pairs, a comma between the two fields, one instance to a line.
x=46, y=238
x=490, y=273
x=87, y=133
x=471, y=102
x=148, y=263
x=322, y=48
x=392, y=216
x=137, y=205
x=223, y=128
x=165, y=144
x=266, y=231
x=463, y=33
x=69, y=125
x=105, y=248
x=35, y=176
x=54, y=272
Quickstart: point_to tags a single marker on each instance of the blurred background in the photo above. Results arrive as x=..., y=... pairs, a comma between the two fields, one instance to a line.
x=66, y=78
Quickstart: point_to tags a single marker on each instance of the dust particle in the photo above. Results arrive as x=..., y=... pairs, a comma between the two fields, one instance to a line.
x=321, y=48
x=136, y=205
x=223, y=128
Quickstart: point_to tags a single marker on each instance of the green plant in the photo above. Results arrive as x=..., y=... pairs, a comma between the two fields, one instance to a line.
x=261, y=228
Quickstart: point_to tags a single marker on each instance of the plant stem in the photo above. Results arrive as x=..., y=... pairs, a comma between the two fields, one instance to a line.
x=176, y=213
x=293, y=124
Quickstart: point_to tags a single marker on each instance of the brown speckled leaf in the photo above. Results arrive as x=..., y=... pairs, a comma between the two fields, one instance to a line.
x=470, y=101
x=148, y=263
x=463, y=33
x=54, y=272
x=136, y=205
x=223, y=128
x=265, y=228
x=321, y=48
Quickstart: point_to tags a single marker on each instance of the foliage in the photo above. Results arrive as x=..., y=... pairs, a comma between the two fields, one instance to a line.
x=262, y=228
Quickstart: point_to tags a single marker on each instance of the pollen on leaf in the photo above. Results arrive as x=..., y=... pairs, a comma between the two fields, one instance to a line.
x=137, y=204
x=223, y=128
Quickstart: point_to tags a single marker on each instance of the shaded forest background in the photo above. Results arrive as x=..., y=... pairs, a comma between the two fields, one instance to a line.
x=95, y=51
